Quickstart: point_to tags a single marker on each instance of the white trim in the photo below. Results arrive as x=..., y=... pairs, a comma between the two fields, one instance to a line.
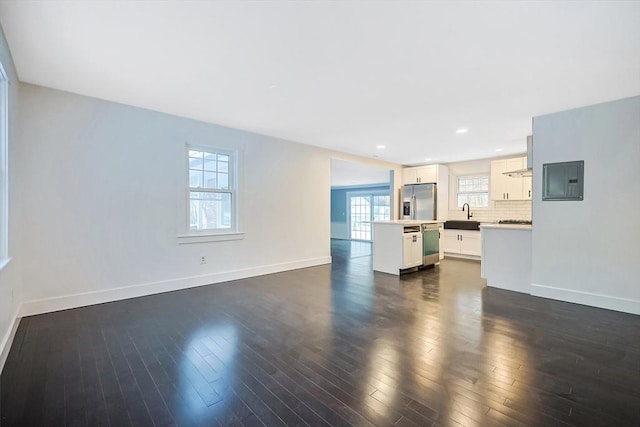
x=209, y=237
x=625, y=305
x=30, y=308
x=359, y=186
x=4, y=163
x=463, y=256
x=7, y=340
x=4, y=262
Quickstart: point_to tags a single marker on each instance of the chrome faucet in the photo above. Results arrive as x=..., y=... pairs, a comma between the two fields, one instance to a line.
x=469, y=214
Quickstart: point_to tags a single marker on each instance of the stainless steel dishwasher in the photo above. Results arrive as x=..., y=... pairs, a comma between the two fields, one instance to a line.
x=430, y=244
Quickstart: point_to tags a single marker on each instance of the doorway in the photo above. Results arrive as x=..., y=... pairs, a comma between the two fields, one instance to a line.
x=360, y=193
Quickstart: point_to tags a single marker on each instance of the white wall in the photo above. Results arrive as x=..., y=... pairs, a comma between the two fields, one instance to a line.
x=104, y=200
x=10, y=277
x=588, y=252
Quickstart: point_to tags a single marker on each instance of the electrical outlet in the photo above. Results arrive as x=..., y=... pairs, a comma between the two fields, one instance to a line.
x=203, y=259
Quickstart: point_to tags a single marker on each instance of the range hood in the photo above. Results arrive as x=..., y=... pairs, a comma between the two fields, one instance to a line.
x=529, y=169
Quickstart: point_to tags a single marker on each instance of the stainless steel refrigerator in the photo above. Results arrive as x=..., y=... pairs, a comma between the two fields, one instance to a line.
x=419, y=201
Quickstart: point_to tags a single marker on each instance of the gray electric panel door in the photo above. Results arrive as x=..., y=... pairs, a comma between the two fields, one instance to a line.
x=563, y=181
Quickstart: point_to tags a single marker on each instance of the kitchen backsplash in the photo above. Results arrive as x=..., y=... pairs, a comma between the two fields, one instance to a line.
x=496, y=211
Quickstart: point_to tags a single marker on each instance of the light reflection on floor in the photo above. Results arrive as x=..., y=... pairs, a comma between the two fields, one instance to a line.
x=217, y=347
x=351, y=248
x=426, y=362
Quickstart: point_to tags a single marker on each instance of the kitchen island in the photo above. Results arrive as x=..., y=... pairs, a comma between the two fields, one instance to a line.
x=398, y=245
x=506, y=256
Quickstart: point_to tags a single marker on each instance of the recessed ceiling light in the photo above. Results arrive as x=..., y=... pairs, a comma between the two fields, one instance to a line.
x=499, y=149
x=428, y=159
x=463, y=130
x=380, y=147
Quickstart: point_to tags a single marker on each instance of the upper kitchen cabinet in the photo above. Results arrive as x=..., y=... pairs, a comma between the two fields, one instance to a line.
x=420, y=174
x=504, y=187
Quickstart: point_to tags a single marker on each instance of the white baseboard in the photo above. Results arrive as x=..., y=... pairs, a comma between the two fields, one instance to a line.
x=463, y=256
x=7, y=340
x=625, y=305
x=46, y=305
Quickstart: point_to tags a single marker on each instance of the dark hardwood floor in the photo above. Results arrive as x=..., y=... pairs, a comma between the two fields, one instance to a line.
x=330, y=345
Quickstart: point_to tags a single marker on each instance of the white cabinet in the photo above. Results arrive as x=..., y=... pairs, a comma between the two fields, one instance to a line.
x=411, y=250
x=527, y=185
x=393, y=249
x=462, y=242
x=398, y=245
x=441, y=240
x=420, y=174
x=451, y=241
x=470, y=243
x=410, y=176
x=504, y=187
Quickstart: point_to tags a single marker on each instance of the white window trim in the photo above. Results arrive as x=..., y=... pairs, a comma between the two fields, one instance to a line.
x=212, y=235
x=4, y=168
x=454, y=201
x=203, y=237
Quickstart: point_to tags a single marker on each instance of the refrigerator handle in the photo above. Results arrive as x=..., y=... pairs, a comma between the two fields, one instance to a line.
x=413, y=206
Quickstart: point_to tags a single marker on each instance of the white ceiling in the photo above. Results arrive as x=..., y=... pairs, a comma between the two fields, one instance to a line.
x=345, y=75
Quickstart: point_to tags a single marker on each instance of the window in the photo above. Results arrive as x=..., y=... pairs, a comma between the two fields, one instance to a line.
x=212, y=189
x=4, y=172
x=473, y=190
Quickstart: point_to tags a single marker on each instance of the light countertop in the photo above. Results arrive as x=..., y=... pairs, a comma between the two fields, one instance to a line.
x=408, y=222
x=482, y=224
x=507, y=226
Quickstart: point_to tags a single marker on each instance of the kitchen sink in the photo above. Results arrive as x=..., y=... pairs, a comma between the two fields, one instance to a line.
x=462, y=225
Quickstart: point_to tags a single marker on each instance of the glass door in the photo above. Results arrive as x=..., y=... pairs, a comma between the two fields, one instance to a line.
x=364, y=208
x=381, y=207
x=359, y=215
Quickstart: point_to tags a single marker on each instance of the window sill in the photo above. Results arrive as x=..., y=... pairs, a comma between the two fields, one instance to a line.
x=4, y=262
x=209, y=237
